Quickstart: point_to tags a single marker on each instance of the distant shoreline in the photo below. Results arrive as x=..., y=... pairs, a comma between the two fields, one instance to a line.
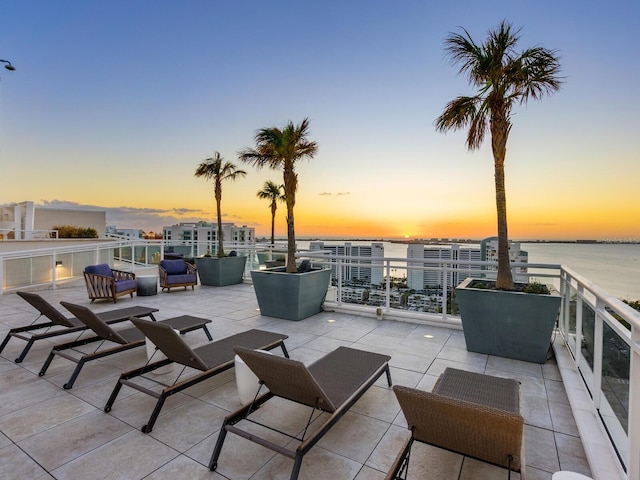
x=446, y=241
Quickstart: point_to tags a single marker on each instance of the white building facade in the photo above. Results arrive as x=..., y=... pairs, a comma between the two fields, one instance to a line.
x=421, y=275
x=368, y=270
x=203, y=236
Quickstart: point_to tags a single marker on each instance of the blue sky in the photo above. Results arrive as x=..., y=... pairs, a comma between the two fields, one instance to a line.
x=113, y=104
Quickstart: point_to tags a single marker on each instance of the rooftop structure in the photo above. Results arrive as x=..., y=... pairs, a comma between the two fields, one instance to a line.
x=66, y=433
x=577, y=406
x=27, y=221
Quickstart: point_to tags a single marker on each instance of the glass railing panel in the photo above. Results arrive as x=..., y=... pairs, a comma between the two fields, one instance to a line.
x=41, y=269
x=82, y=260
x=154, y=253
x=616, y=364
x=588, y=334
x=17, y=272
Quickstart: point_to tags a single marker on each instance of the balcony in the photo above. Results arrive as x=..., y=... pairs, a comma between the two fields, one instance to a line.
x=65, y=433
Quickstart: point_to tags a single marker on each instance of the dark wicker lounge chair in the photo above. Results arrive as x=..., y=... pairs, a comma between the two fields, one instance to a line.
x=104, y=282
x=332, y=384
x=210, y=359
x=468, y=413
x=68, y=325
x=125, y=339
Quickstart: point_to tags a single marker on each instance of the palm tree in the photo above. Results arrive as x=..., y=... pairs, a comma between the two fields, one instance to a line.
x=503, y=78
x=271, y=191
x=218, y=170
x=280, y=149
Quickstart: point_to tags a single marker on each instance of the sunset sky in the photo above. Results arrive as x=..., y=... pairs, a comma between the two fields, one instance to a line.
x=114, y=103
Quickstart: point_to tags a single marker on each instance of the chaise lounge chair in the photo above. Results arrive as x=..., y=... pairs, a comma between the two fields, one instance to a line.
x=332, y=384
x=468, y=413
x=210, y=359
x=125, y=339
x=69, y=325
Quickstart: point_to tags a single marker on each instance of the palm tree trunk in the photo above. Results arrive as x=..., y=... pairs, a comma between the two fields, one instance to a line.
x=273, y=221
x=290, y=188
x=499, y=134
x=218, y=192
x=291, y=241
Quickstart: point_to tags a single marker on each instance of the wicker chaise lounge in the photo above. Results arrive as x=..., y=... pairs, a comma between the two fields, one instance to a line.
x=124, y=339
x=68, y=325
x=210, y=359
x=468, y=413
x=332, y=384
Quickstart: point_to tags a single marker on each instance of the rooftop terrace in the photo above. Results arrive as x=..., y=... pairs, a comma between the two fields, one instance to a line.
x=50, y=432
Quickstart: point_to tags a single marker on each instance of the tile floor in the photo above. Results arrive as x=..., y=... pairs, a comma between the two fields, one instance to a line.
x=48, y=432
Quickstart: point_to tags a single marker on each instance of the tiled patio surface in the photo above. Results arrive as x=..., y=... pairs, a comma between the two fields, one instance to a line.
x=49, y=432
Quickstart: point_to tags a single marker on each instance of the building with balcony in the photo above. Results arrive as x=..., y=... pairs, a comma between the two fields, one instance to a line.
x=204, y=235
x=461, y=262
x=369, y=272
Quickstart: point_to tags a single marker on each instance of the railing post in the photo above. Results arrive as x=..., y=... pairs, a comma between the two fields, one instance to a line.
x=634, y=407
x=54, y=270
x=387, y=291
x=598, y=342
x=578, y=339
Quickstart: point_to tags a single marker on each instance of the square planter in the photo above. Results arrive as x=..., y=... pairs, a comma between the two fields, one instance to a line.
x=291, y=296
x=507, y=324
x=218, y=272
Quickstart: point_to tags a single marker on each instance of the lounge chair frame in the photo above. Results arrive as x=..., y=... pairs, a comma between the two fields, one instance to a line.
x=125, y=339
x=179, y=352
x=468, y=413
x=306, y=386
x=70, y=325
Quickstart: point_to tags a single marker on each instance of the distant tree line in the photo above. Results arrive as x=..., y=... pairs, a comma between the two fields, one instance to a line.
x=70, y=231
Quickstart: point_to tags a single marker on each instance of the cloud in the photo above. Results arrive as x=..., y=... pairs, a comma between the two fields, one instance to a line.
x=147, y=219
x=336, y=194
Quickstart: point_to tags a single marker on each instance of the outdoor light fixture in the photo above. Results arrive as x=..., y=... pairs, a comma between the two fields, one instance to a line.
x=58, y=263
x=8, y=65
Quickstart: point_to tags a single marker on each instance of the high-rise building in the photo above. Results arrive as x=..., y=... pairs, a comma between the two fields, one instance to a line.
x=204, y=236
x=421, y=275
x=367, y=270
x=489, y=250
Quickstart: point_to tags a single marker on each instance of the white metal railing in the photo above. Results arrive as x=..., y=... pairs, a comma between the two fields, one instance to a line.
x=58, y=264
x=607, y=356
x=605, y=351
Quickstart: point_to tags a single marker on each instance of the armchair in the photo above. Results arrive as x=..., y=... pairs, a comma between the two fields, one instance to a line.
x=177, y=273
x=104, y=282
